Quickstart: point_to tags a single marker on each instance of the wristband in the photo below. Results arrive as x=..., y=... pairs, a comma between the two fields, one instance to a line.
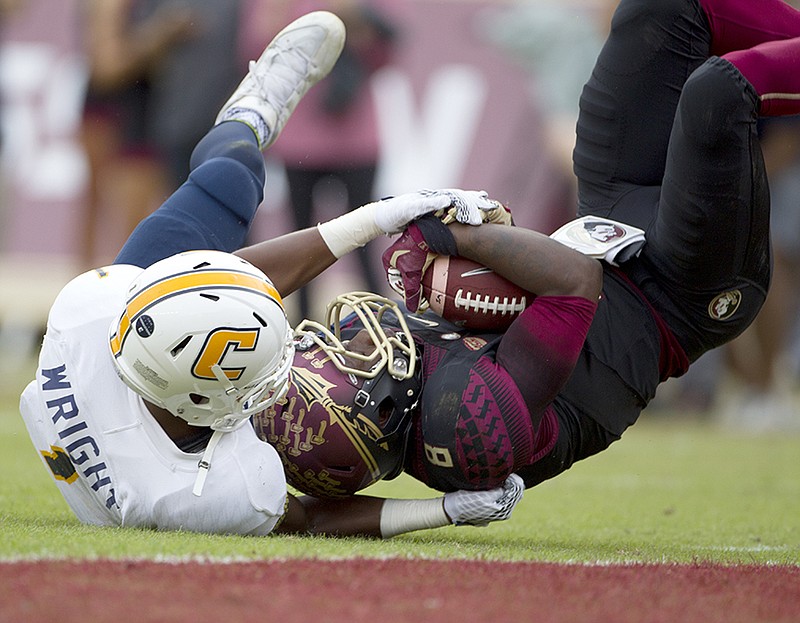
x=438, y=235
x=351, y=230
x=399, y=516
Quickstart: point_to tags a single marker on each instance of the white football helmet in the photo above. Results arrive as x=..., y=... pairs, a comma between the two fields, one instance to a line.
x=204, y=335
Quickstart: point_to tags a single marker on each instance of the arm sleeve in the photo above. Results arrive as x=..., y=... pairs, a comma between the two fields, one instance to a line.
x=540, y=348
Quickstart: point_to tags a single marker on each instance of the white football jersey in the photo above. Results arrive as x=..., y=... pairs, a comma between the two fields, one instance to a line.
x=110, y=459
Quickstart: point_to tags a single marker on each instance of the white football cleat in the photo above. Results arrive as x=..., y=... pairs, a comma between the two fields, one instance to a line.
x=298, y=57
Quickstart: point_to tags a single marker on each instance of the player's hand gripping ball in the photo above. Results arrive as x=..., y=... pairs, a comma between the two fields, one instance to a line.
x=472, y=296
x=405, y=261
x=459, y=290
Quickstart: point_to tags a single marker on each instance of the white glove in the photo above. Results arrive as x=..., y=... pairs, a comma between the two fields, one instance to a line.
x=393, y=214
x=478, y=508
x=356, y=228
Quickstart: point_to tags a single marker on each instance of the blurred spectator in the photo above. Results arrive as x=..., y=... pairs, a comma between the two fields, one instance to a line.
x=751, y=384
x=764, y=377
x=557, y=43
x=331, y=149
x=7, y=8
x=762, y=362
x=145, y=106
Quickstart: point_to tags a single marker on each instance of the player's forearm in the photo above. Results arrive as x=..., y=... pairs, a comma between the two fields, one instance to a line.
x=372, y=517
x=291, y=260
x=294, y=259
x=363, y=516
x=350, y=516
x=531, y=260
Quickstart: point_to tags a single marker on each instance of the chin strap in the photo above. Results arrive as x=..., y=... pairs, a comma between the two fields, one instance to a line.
x=205, y=463
x=226, y=426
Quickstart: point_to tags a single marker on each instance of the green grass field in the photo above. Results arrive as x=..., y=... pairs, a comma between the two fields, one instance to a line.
x=670, y=491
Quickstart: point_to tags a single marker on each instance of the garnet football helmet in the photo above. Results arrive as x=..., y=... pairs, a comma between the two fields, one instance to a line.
x=346, y=418
x=204, y=335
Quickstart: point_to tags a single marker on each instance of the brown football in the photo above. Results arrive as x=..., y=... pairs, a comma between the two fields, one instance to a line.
x=471, y=295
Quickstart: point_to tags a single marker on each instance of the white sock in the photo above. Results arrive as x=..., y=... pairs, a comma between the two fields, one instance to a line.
x=251, y=118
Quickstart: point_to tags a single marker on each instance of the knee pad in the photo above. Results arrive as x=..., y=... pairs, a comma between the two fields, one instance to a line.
x=233, y=186
x=715, y=100
x=235, y=141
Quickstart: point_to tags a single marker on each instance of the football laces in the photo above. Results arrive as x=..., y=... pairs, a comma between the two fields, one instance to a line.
x=494, y=305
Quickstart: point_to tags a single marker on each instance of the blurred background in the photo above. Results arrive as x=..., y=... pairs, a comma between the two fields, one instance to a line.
x=102, y=100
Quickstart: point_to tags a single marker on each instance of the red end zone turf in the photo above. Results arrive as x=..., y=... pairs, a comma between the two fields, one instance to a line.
x=395, y=591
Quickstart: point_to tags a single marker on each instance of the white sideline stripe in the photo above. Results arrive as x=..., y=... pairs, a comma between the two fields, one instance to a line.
x=233, y=560
x=749, y=548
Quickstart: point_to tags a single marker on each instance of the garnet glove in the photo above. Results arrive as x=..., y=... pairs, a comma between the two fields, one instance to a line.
x=405, y=262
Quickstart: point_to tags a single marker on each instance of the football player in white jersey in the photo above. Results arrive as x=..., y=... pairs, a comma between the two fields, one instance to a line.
x=152, y=367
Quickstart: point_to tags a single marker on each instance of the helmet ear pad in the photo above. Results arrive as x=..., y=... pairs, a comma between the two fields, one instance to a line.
x=338, y=433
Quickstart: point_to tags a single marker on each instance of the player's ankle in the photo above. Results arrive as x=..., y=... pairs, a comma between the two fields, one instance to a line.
x=252, y=119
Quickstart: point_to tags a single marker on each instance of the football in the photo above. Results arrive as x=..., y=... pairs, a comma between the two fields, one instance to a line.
x=472, y=296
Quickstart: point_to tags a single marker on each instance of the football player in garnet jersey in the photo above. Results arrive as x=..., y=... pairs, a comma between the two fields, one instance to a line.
x=667, y=144
x=152, y=367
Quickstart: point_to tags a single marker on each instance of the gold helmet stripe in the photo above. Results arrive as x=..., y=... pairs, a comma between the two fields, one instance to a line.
x=357, y=441
x=185, y=282
x=314, y=388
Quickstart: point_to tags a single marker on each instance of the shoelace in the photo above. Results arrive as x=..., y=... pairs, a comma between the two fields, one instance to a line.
x=282, y=75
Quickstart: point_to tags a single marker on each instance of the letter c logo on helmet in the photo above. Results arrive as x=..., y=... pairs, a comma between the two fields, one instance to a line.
x=218, y=344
